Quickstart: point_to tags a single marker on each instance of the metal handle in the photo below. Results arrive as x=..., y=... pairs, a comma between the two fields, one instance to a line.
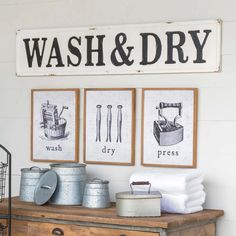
x=57, y=231
x=140, y=183
x=63, y=108
x=35, y=167
x=173, y=105
x=94, y=179
x=46, y=187
x=123, y=235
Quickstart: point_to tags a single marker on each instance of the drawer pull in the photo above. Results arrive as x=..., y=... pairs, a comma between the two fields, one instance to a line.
x=57, y=231
x=122, y=234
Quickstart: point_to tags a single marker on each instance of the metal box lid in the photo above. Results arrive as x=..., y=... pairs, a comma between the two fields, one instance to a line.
x=138, y=195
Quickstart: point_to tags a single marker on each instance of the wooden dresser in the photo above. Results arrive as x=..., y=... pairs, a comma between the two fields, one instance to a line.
x=32, y=220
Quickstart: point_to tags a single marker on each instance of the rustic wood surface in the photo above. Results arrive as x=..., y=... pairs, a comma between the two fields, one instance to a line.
x=203, y=230
x=26, y=228
x=106, y=216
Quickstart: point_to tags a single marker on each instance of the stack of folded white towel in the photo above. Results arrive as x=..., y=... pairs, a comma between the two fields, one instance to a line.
x=182, y=191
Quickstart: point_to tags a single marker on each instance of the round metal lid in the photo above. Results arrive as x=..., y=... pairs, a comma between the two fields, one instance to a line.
x=45, y=187
x=34, y=169
x=138, y=195
x=67, y=165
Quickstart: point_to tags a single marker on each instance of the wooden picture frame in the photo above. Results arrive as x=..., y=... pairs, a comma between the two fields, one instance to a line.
x=167, y=143
x=55, y=125
x=109, y=126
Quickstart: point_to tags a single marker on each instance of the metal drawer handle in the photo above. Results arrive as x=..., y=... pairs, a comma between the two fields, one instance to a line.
x=57, y=231
x=122, y=234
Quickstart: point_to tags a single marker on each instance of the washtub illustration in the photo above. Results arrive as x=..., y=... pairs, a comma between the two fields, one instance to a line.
x=53, y=124
x=167, y=132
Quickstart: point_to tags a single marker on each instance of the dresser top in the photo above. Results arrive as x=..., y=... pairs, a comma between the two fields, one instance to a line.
x=105, y=216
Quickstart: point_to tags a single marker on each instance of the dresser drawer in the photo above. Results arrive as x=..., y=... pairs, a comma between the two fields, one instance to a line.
x=46, y=229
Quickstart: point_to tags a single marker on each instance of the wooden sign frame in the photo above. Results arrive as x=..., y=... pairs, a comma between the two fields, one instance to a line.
x=112, y=147
x=54, y=125
x=170, y=145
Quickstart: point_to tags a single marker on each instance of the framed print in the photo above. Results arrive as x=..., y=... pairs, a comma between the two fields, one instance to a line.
x=169, y=127
x=109, y=124
x=54, y=125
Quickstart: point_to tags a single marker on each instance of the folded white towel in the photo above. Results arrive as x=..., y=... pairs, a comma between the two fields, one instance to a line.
x=182, y=202
x=184, y=182
x=183, y=211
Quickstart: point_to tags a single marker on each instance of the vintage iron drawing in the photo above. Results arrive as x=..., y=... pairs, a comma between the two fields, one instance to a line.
x=169, y=127
x=168, y=132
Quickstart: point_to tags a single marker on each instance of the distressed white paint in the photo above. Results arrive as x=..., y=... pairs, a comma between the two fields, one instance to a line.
x=217, y=113
x=123, y=49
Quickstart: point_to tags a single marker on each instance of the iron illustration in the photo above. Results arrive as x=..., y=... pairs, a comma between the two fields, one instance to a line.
x=167, y=132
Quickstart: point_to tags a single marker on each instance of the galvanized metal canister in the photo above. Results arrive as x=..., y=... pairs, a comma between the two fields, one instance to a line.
x=29, y=179
x=96, y=194
x=71, y=183
x=138, y=203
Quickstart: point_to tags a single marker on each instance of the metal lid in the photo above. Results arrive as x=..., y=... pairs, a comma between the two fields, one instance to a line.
x=67, y=165
x=138, y=195
x=97, y=181
x=34, y=169
x=45, y=187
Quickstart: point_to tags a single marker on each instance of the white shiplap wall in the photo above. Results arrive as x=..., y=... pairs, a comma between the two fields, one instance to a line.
x=217, y=96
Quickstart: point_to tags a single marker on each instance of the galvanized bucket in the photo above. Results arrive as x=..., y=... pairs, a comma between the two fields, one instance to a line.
x=96, y=194
x=29, y=179
x=71, y=182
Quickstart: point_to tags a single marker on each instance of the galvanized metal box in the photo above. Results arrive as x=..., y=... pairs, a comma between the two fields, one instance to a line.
x=138, y=204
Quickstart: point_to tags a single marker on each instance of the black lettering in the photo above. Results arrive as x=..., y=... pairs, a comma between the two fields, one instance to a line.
x=171, y=47
x=123, y=54
x=199, y=47
x=57, y=56
x=104, y=150
x=52, y=148
x=168, y=153
x=159, y=153
x=35, y=51
x=99, y=50
x=75, y=51
x=145, y=48
x=59, y=148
